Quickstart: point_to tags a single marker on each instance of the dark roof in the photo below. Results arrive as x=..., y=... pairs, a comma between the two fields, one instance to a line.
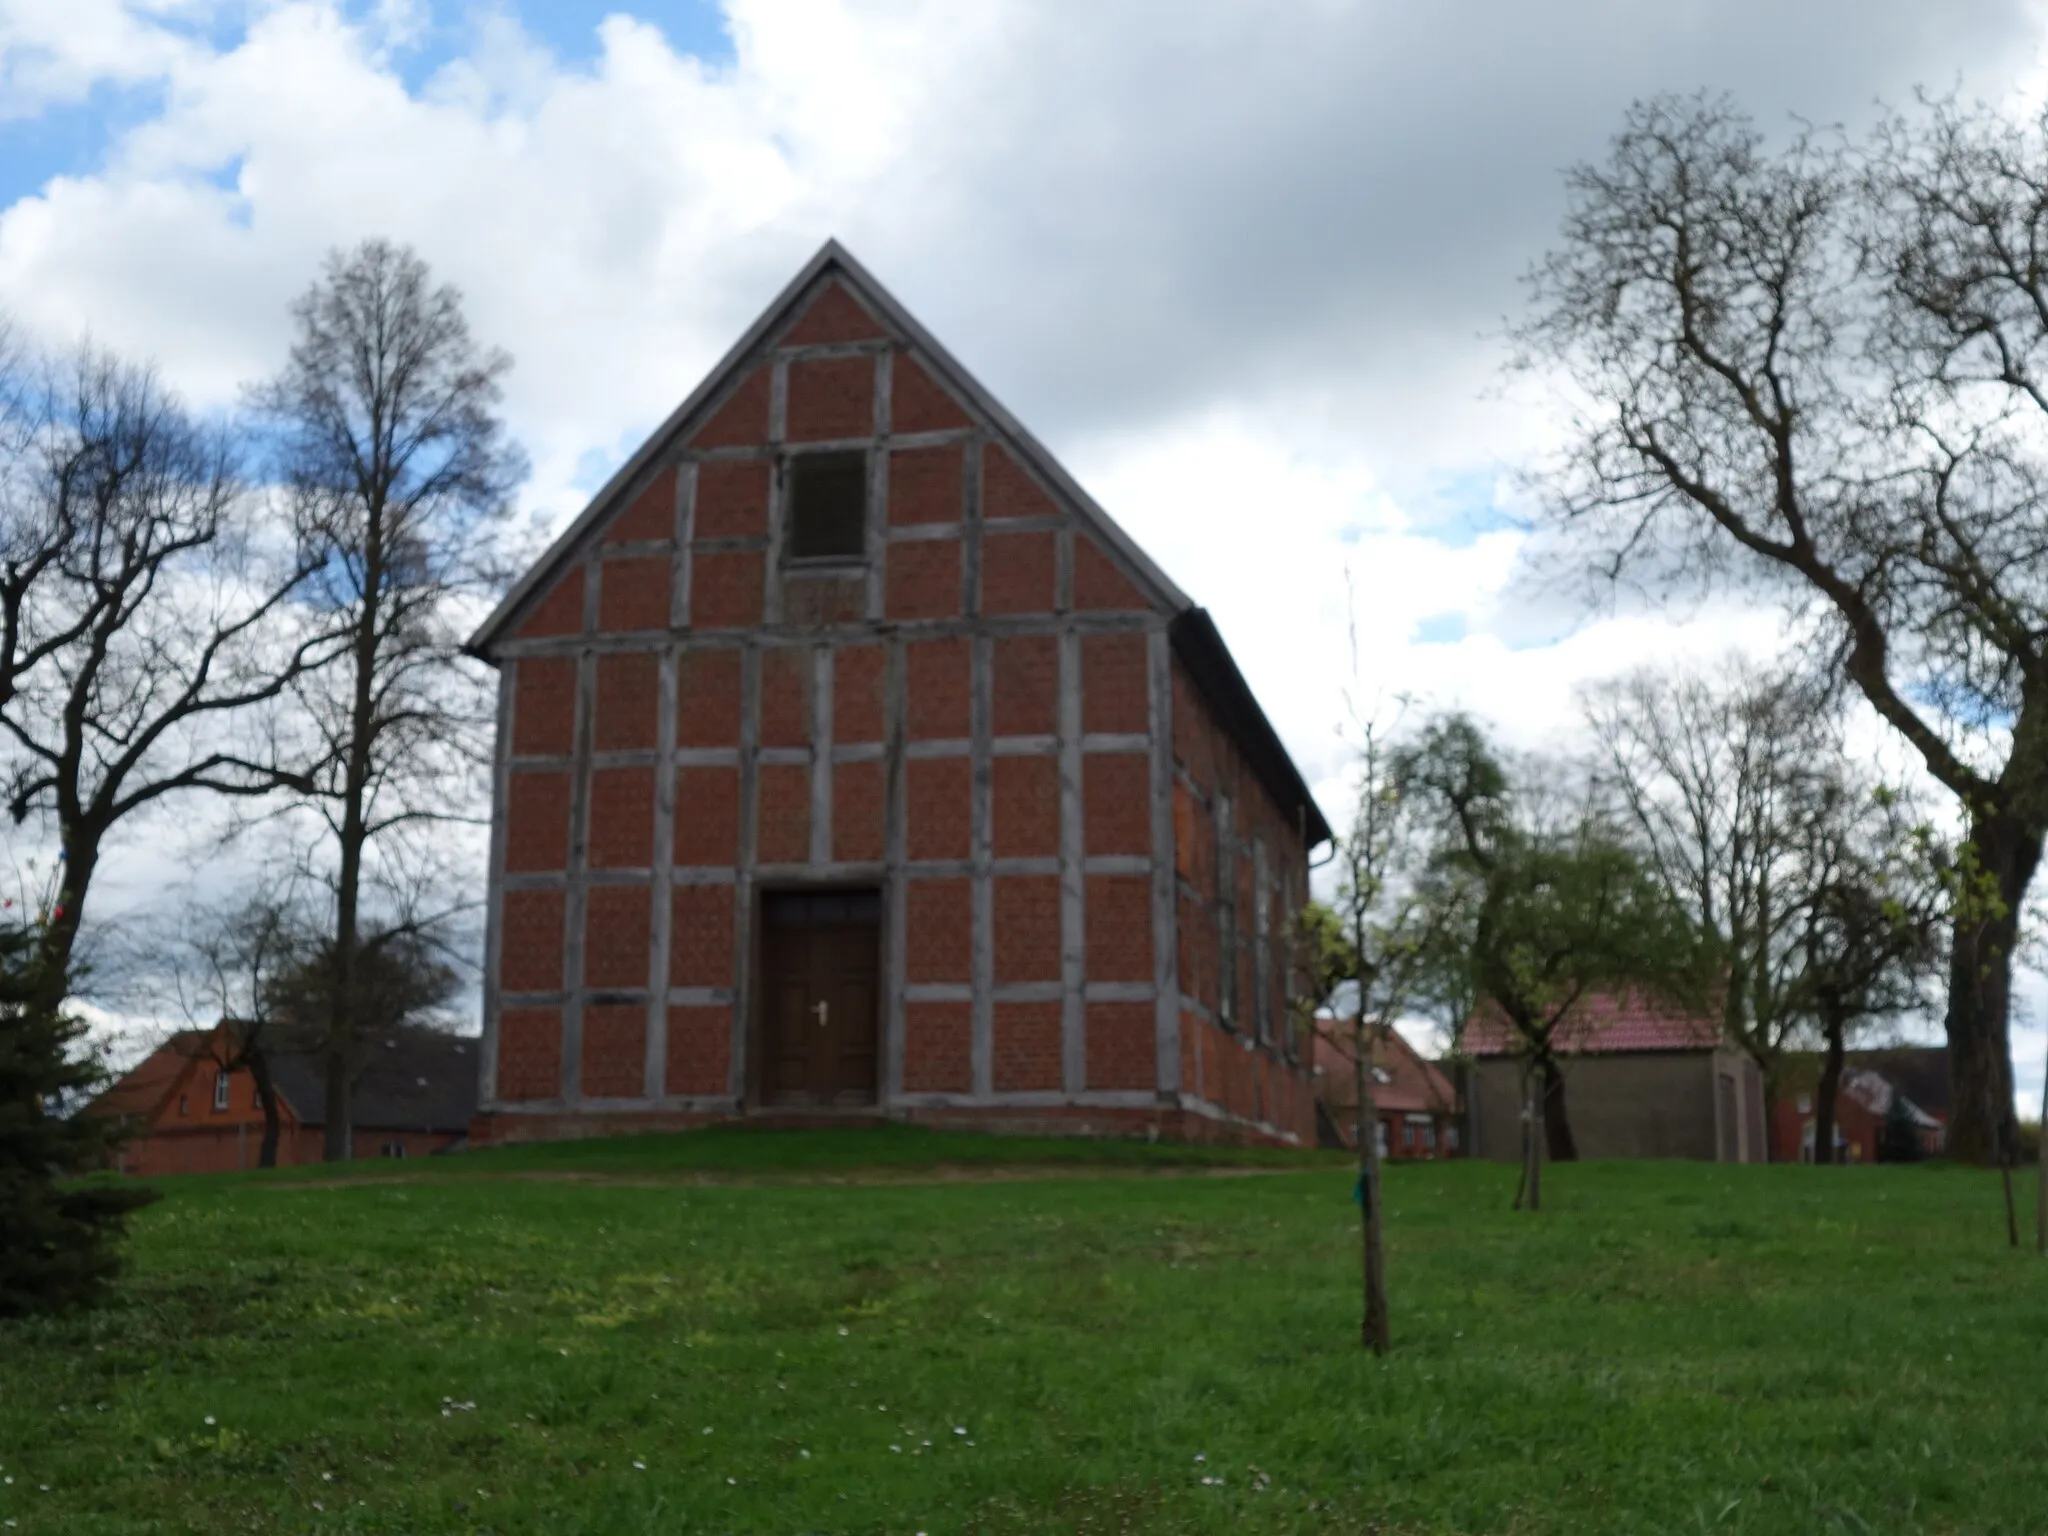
x=417, y=1080
x=1604, y=1023
x=1200, y=647
x=1920, y=1072
x=1195, y=638
x=1875, y=1092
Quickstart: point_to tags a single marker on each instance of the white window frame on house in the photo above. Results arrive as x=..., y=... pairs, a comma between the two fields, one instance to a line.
x=222, y=1086
x=394, y=1149
x=1379, y=1136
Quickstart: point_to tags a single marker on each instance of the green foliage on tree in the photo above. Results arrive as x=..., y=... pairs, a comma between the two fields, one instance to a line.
x=56, y=1234
x=1551, y=904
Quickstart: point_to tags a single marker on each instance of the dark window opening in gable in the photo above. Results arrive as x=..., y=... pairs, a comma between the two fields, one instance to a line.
x=828, y=507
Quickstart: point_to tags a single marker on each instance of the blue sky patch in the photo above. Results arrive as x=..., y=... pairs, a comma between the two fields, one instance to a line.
x=566, y=28
x=76, y=139
x=1441, y=629
x=593, y=468
x=70, y=140
x=1457, y=510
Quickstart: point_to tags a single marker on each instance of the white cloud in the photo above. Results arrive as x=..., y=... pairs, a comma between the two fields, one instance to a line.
x=54, y=52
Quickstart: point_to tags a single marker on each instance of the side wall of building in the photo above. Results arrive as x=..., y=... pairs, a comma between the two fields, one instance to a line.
x=1642, y=1104
x=975, y=720
x=198, y=1128
x=1240, y=884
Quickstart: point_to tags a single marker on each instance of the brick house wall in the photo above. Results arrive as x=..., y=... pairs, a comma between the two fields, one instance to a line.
x=1002, y=717
x=181, y=1122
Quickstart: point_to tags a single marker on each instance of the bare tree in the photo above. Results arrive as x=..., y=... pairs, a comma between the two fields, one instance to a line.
x=149, y=619
x=1869, y=903
x=400, y=473
x=1721, y=778
x=1817, y=370
x=225, y=964
x=254, y=977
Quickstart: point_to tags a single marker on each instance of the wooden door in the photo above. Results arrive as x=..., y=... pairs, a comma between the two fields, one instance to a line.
x=820, y=961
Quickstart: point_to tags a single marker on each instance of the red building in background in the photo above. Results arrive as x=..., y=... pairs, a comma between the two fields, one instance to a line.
x=415, y=1095
x=1416, y=1104
x=1870, y=1080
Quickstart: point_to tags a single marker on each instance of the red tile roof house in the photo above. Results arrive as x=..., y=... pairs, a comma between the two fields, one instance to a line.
x=1417, y=1107
x=853, y=763
x=415, y=1096
x=1641, y=1080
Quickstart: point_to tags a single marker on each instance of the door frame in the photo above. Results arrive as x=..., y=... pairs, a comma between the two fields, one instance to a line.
x=754, y=1087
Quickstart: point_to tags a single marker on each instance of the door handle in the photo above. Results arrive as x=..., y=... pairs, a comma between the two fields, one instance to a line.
x=822, y=1011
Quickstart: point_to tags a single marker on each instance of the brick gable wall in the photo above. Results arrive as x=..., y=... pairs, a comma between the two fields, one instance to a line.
x=973, y=720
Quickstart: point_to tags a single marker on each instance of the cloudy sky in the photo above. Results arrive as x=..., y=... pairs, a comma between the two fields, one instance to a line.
x=1244, y=268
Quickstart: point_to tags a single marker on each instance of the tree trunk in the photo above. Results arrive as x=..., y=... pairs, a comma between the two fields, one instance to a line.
x=1983, y=1128
x=266, y=1095
x=1528, y=1124
x=338, y=1136
x=78, y=855
x=1532, y=1146
x=1557, y=1126
x=1373, y=1328
x=1827, y=1095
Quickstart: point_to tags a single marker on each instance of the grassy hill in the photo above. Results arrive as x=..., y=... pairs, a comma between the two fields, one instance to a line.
x=894, y=1331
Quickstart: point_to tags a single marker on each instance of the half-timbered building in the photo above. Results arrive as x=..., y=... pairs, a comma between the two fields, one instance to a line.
x=853, y=762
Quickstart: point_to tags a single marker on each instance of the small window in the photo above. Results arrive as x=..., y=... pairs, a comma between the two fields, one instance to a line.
x=184, y=1104
x=1382, y=1076
x=220, y=1090
x=1379, y=1137
x=828, y=506
x=394, y=1149
x=1806, y=1104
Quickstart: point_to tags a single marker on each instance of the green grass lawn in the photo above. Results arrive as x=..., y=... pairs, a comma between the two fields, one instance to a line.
x=715, y=1333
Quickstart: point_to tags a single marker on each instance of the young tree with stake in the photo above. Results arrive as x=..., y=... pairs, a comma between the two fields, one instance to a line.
x=1372, y=949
